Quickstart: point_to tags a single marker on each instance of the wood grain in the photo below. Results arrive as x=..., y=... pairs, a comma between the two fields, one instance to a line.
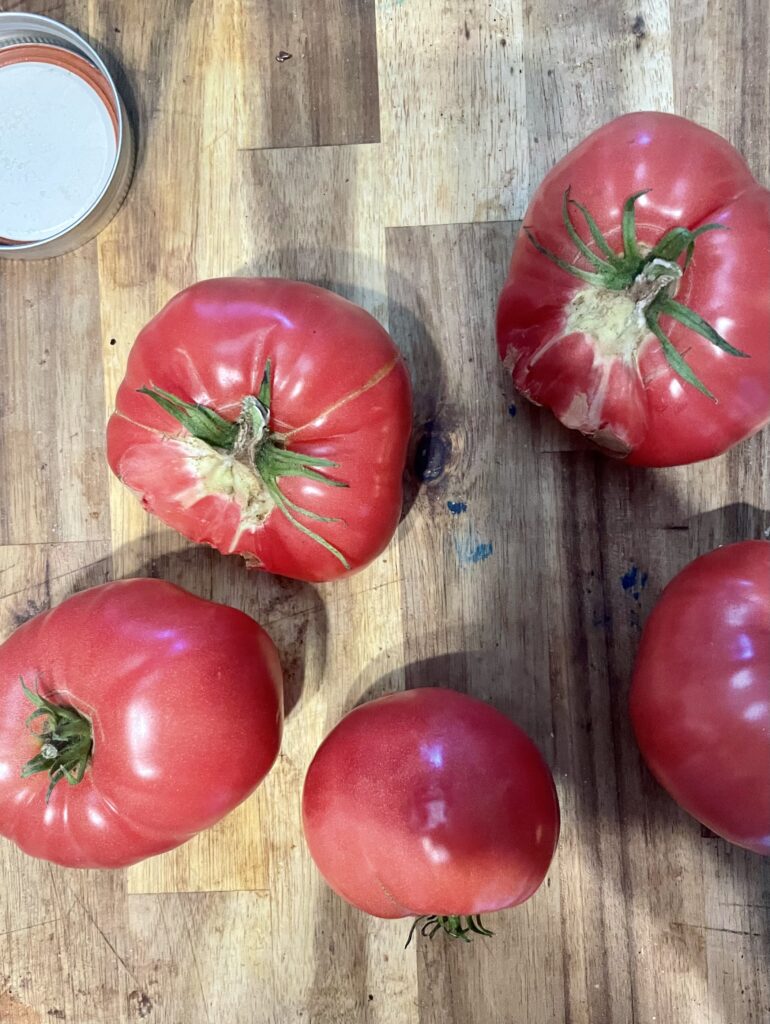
x=308, y=73
x=465, y=549
x=391, y=159
x=453, y=108
x=51, y=459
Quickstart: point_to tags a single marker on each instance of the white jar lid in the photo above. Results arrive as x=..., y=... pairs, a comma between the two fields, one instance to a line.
x=58, y=141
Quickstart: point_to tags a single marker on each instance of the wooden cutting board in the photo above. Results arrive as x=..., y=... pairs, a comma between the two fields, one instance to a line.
x=390, y=157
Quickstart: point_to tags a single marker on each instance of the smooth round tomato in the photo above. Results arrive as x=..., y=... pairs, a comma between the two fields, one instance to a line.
x=700, y=697
x=429, y=802
x=637, y=305
x=267, y=418
x=157, y=712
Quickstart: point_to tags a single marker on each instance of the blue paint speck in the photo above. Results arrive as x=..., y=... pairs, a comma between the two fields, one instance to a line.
x=634, y=580
x=469, y=552
x=480, y=553
x=457, y=507
x=512, y=409
x=628, y=579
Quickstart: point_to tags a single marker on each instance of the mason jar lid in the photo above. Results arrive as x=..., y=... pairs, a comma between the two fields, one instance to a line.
x=66, y=152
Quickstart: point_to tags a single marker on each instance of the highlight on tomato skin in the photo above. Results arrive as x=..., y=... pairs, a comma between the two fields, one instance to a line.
x=267, y=418
x=700, y=695
x=636, y=305
x=132, y=715
x=430, y=804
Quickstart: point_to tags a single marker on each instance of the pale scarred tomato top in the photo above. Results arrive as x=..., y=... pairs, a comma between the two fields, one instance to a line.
x=637, y=305
x=267, y=418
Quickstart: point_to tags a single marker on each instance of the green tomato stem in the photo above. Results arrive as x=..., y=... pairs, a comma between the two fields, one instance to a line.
x=66, y=742
x=265, y=452
x=456, y=926
x=650, y=277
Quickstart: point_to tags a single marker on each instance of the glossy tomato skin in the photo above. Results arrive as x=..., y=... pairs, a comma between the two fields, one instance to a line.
x=639, y=407
x=340, y=391
x=185, y=698
x=430, y=802
x=700, y=697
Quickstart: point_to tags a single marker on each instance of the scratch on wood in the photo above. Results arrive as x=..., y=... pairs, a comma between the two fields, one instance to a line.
x=141, y=1002
x=194, y=955
x=109, y=945
x=26, y=928
x=714, y=928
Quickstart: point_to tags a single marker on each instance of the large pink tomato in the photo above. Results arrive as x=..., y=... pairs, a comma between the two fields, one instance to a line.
x=132, y=716
x=430, y=803
x=700, y=698
x=637, y=304
x=267, y=418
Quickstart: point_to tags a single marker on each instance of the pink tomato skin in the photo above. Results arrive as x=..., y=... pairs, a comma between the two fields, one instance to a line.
x=430, y=802
x=700, y=696
x=186, y=704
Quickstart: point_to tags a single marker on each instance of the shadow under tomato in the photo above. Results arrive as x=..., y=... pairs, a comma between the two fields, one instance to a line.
x=430, y=445
x=496, y=675
x=729, y=524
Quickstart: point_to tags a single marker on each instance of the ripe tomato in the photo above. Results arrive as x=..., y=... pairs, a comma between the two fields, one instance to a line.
x=700, y=698
x=607, y=317
x=166, y=707
x=268, y=418
x=429, y=802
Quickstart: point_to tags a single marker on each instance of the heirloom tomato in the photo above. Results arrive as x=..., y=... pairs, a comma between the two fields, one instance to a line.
x=430, y=804
x=132, y=716
x=267, y=418
x=637, y=305
x=700, y=697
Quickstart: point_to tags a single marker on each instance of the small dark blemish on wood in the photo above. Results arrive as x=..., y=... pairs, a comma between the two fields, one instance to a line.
x=431, y=453
x=503, y=41
x=140, y=1002
x=57, y=1013
x=639, y=30
x=282, y=55
x=113, y=341
x=29, y=611
x=467, y=30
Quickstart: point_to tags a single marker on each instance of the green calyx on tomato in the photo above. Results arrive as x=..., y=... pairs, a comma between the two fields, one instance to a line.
x=452, y=925
x=66, y=742
x=649, y=277
x=250, y=441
